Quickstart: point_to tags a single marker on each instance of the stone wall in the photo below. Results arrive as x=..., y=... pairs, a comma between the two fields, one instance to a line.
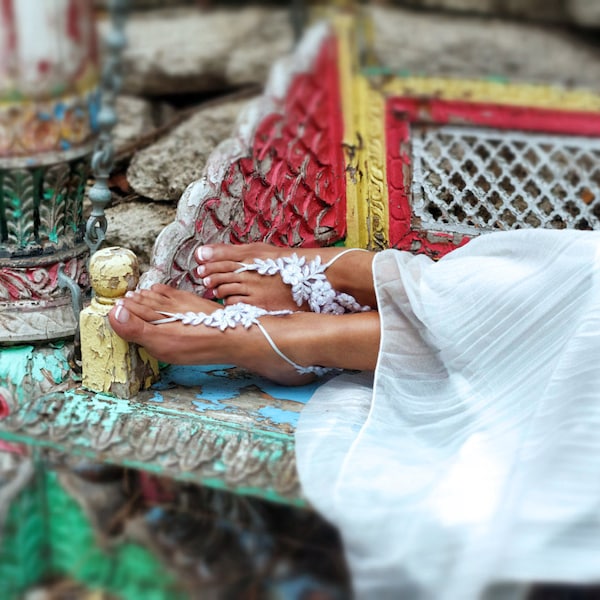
x=585, y=13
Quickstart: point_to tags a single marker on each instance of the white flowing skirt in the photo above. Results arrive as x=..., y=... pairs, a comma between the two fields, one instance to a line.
x=472, y=457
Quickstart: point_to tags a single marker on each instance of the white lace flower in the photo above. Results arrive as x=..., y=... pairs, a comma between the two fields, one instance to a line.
x=308, y=281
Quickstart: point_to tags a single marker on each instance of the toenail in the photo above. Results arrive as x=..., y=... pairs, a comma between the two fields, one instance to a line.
x=204, y=253
x=130, y=294
x=206, y=282
x=121, y=314
x=200, y=270
x=215, y=293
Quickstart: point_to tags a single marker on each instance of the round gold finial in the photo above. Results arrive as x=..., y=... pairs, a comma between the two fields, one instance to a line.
x=114, y=271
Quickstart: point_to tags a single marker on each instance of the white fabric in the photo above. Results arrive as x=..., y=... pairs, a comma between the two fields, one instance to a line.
x=475, y=456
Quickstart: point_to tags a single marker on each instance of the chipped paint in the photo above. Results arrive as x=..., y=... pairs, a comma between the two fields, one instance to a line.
x=14, y=363
x=53, y=365
x=243, y=444
x=29, y=370
x=189, y=376
x=279, y=416
x=301, y=393
x=156, y=398
x=109, y=363
x=212, y=404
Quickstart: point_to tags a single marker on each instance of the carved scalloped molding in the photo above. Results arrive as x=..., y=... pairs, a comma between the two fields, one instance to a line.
x=37, y=308
x=179, y=239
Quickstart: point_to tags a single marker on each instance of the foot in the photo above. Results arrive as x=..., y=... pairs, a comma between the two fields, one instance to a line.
x=218, y=265
x=176, y=343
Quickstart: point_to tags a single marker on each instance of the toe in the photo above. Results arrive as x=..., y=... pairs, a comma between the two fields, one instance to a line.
x=218, y=279
x=148, y=299
x=231, y=252
x=204, y=254
x=128, y=325
x=231, y=289
x=225, y=266
x=162, y=289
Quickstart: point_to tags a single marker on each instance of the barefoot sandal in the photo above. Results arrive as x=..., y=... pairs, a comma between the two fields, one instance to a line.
x=242, y=314
x=308, y=282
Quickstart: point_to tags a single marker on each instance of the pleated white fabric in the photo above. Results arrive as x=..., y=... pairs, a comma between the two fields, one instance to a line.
x=473, y=457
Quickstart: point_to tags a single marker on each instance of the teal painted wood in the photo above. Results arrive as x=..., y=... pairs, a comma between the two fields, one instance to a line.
x=48, y=535
x=30, y=371
x=217, y=426
x=24, y=557
x=123, y=568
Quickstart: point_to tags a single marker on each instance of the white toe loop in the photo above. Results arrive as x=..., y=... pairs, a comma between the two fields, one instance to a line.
x=242, y=314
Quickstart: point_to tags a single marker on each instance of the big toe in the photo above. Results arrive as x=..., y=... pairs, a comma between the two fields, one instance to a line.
x=127, y=325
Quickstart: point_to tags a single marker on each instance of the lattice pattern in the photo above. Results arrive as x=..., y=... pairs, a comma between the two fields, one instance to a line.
x=468, y=180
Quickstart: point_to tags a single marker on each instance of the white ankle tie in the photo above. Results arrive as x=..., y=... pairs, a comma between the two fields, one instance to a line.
x=308, y=282
x=242, y=314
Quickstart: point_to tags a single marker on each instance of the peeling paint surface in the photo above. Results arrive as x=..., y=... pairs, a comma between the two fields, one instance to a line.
x=14, y=363
x=213, y=425
x=28, y=371
x=279, y=416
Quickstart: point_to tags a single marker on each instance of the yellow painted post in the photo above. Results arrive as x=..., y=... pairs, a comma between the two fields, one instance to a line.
x=109, y=363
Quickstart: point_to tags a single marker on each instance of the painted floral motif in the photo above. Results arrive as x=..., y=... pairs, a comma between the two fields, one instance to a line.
x=39, y=283
x=42, y=207
x=30, y=128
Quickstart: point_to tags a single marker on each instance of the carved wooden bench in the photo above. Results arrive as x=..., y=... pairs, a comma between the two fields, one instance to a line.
x=330, y=154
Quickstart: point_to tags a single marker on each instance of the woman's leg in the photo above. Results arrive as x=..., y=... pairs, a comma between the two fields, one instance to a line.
x=342, y=341
x=219, y=264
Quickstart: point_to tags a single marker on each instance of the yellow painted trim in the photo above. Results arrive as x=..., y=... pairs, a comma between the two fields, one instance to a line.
x=513, y=94
x=374, y=223
x=367, y=213
x=343, y=30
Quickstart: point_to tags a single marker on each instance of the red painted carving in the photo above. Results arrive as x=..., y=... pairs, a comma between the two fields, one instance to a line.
x=399, y=177
x=434, y=110
x=39, y=283
x=12, y=448
x=4, y=407
x=291, y=185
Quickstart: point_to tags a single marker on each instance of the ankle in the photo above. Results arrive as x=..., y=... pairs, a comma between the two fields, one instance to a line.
x=349, y=341
x=295, y=336
x=353, y=274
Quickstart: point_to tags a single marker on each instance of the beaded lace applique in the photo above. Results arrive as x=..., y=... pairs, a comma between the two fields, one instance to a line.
x=308, y=282
x=242, y=314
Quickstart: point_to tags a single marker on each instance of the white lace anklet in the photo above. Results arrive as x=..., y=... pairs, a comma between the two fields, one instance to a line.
x=242, y=314
x=308, y=282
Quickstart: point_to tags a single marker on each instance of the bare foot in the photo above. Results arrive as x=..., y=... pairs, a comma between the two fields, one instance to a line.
x=176, y=343
x=217, y=265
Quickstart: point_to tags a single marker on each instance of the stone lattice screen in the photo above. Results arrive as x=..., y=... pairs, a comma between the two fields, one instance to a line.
x=458, y=169
x=469, y=180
